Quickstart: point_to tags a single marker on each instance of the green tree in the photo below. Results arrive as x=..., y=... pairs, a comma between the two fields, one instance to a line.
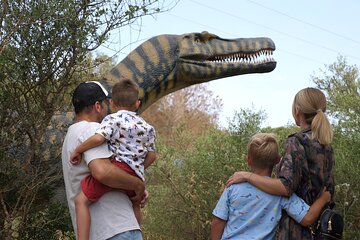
x=341, y=83
x=43, y=47
x=246, y=123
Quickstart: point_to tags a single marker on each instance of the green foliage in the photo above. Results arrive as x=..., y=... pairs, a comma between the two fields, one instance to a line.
x=347, y=204
x=52, y=222
x=189, y=187
x=189, y=182
x=341, y=84
x=246, y=122
x=347, y=177
x=281, y=134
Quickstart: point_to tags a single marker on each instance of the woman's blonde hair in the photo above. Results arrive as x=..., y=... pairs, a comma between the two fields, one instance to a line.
x=264, y=150
x=312, y=103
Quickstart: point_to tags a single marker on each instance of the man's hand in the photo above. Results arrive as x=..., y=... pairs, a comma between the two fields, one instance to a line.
x=140, y=192
x=75, y=158
x=144, y=199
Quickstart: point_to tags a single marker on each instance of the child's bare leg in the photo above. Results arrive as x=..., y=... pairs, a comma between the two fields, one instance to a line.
x=137, y=211
x=83, y=219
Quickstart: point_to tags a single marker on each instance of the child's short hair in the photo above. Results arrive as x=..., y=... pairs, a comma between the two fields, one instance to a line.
x=264, y=150
x=125, y=93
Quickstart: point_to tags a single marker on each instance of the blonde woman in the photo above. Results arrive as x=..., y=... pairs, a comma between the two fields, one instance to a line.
x=308, y=163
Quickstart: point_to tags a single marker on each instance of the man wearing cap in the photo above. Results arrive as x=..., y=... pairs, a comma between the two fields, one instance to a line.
x=112, y=216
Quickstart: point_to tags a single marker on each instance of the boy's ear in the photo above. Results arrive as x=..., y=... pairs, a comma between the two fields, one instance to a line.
x=249, y=160
x=137, y=104
x=111, y=103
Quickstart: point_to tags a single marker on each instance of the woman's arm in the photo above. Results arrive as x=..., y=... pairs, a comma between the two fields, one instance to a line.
x=315, y=209
x=268, y=185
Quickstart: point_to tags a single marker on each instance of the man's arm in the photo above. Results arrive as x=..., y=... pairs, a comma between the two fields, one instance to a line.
x=217, y=228
x=315, y=209
x=107, y=173
x=149, y=159
x=268, y=185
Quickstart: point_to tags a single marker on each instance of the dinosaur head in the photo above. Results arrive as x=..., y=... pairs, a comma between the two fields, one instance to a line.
x=166, y=63
x=204, y=57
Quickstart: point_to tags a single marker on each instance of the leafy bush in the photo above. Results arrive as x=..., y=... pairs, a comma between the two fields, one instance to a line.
x=186, y=184
x=52, y=222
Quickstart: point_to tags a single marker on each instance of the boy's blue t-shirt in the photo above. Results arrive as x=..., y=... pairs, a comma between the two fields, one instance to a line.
x=253, y=214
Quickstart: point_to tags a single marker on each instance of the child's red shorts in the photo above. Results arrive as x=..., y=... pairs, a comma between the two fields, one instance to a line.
x=93, y=189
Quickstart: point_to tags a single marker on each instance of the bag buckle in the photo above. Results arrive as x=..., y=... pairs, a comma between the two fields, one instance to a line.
x=329, y=225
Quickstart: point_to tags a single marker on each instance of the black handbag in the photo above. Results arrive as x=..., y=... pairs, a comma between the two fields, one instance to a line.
x=329, y=226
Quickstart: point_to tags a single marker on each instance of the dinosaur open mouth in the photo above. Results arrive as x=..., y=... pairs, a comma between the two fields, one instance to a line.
x=262, y=56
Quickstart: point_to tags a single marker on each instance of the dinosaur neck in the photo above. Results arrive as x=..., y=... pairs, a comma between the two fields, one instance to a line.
x=152, y=66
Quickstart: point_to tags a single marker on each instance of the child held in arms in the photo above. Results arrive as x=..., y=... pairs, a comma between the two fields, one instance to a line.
x=132, y=141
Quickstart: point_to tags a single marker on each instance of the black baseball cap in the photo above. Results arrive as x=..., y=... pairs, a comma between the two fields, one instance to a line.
x=88, y=93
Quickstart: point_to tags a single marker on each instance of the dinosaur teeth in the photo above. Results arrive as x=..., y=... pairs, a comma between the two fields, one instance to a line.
x=247, y=58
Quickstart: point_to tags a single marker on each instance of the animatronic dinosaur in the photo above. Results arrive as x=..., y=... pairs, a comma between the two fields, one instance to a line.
x=167, y=63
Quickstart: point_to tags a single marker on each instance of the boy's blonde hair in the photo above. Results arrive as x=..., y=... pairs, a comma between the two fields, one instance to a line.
x=264, y=150
x=312, y=103
x=125, y=93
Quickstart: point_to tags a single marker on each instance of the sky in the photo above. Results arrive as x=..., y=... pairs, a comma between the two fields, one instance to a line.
x=309, y=35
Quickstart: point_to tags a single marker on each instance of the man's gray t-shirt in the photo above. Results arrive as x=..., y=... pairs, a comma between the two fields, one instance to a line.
x=113, y=212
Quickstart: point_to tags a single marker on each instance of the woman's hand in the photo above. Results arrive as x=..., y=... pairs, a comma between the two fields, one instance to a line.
x=325, y=196
x=238, y=177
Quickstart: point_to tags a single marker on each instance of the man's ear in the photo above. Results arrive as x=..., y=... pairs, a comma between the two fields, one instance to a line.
x=97, y=106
